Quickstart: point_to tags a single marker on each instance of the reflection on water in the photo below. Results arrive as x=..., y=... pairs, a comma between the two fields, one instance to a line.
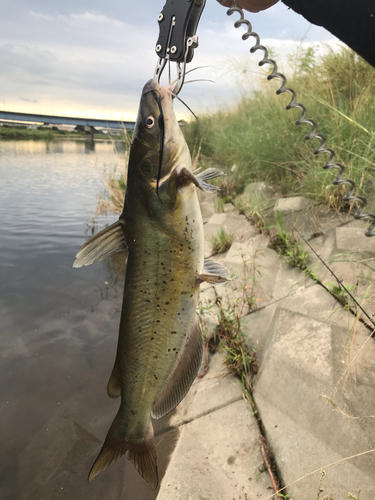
x=89, y=145
x=59, y=325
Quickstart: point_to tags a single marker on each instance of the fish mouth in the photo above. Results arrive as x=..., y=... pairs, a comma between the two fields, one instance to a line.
x=151, y=86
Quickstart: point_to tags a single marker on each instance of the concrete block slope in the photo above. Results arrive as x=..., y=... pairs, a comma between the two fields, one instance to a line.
x=218, y=454
x=218, y=457
x=233, y=223
x=303, y=381
x=213, y=391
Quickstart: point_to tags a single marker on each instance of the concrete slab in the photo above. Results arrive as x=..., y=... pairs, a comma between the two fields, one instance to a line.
x=357, y=274
x=232, y=223
x=213, y=461
x=324, y=246
x=258, y=262
x=210, y=393
x=260, y=190
x=299, y=453
x=208, y=210
x=305, y=361
x=293, y=204
x=317, y=303
x=273, y=280
x=256, y=326
x=353, y=239
x=228, y=207
x=257, y=197
x=311, y=222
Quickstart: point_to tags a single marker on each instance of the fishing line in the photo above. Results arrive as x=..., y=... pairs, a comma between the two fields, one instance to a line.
x=340, y=283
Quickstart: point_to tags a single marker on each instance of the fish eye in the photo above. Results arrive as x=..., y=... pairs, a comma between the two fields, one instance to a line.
x=150, y=121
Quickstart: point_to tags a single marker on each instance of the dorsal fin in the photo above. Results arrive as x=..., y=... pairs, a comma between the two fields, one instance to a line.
x=183, y=375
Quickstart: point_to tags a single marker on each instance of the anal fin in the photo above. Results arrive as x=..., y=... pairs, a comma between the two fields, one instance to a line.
x=213, y=273
x=109, y=240
x=182, y=376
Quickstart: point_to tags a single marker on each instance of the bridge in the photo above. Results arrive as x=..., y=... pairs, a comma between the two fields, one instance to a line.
x=88, y=123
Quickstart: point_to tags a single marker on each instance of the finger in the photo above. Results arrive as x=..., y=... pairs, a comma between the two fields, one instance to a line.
x=250, y=5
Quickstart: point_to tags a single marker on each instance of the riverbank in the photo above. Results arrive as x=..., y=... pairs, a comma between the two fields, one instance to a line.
x=48, y=134
x=303, y=424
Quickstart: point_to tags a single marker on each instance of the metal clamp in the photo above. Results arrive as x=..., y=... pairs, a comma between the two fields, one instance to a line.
x=178, y=22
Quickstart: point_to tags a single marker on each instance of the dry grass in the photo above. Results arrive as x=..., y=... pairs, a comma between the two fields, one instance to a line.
x=111, y=197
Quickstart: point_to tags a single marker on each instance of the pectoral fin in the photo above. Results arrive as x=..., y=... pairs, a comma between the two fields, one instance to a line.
x=213, y=273
x=200, y=179
x=108, y=241
x=183, y=375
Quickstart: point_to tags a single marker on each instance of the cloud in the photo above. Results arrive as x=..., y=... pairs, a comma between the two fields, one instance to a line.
x=95, y=18
x=96, y=56
x=23, y=59
x=33, y=101
x=39, y=16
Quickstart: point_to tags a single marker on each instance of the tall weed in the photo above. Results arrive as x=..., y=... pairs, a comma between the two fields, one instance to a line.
x=260, y=137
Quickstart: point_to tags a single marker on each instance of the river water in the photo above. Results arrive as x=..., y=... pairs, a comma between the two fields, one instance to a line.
x=58, y=327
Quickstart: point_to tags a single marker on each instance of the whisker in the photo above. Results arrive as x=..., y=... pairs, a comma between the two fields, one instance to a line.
x=199, y=80
x=187, y=72
x=184, y=103
x=191, y=111
x=194, y=69
x=171, y=85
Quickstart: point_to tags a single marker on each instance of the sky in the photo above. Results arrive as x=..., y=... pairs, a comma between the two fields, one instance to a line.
x=91, y=58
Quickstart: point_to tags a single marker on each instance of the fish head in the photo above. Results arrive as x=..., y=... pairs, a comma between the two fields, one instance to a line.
x=158, y=142
x=148, y=128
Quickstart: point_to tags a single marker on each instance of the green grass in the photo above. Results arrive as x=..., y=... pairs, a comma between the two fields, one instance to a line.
x=260, y=137
x=7, y=132
x=221, y=242
x=340, y=294
x=228, y=335
x=288, y=247
x=48, y=134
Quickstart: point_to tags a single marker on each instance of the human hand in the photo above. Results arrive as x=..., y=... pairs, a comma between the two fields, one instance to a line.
x=250, y=5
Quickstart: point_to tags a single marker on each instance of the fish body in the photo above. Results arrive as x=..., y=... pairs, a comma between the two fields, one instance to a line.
x=160, y=346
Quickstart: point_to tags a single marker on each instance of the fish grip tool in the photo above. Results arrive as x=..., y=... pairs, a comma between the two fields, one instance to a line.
x=178, y=22
x=350, y=195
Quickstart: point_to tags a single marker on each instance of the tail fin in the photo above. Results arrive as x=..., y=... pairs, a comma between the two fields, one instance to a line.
x=142, y=454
